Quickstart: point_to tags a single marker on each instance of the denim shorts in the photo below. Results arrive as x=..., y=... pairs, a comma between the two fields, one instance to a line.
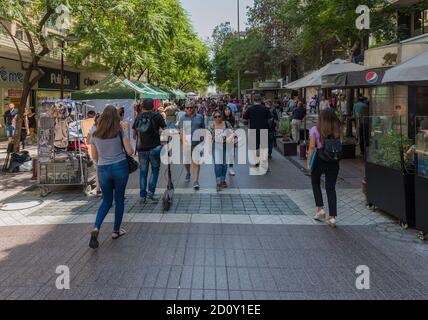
x=10, y=131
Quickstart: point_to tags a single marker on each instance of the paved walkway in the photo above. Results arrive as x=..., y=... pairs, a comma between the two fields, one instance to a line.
x=13, y=183
x=255, y=240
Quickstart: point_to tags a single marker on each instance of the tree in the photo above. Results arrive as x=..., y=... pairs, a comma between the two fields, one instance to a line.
x=318, y=31
x=231, y=55
x=137, y=38
x=32, y=17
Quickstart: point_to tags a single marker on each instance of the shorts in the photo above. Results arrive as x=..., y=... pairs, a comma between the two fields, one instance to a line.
x=10, y=131
x=188, y=157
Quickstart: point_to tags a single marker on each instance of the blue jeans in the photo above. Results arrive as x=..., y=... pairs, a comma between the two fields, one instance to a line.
x=220, y=168
x=147, y=158
x=171, y=124
x=113, y=180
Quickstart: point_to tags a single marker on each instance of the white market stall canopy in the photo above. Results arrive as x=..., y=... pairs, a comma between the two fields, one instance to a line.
x=413, y=70
x=314, y=79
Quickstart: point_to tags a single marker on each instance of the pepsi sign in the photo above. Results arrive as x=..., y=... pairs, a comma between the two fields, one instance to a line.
x=372, y=77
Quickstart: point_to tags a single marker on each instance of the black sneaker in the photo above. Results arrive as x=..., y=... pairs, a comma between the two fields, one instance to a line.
x=93, y=243
x=143, y=200
x=188, y=176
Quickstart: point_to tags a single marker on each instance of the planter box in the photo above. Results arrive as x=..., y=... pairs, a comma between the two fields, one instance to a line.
x=349, y=150
x=421, y=192
x=287, y=148
x=392, y=192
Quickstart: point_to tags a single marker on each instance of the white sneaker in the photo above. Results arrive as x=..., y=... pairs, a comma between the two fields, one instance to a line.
x=232, y=172
x=320, y=216
x=332, y=222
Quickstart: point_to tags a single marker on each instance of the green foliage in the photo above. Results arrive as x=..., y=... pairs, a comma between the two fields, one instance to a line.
x=250, y=53
x=387, y=152
x=289, y=33
x=136, y=38
x=284, y=127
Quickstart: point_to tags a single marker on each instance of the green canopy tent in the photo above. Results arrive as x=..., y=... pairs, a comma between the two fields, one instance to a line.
x=111, y=88
x=180, y=94
x=152, y=90
x=167, y=90
x=146, y=93
x=166, y=94
x=174, y=94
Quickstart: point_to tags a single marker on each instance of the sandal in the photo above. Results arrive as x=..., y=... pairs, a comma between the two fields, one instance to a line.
x=93, y=243
x=118, y=234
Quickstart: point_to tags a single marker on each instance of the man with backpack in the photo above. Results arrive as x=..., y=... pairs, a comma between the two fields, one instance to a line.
x=147, y=128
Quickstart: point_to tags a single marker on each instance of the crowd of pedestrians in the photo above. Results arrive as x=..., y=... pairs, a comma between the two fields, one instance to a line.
x=110, y=138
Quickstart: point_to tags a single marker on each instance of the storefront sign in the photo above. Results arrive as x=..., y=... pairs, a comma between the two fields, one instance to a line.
x=10, y=76
x=12, y=93
x=52, y=80
x=372, y=77
x=88, y=82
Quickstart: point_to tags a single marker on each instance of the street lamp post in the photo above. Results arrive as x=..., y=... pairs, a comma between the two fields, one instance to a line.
x=68, y=39
x=239, y=39
x=62, y=69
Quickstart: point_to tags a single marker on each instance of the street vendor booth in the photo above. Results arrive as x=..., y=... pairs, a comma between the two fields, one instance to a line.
x=113, y=91
x=413, y=74
x=63, y=158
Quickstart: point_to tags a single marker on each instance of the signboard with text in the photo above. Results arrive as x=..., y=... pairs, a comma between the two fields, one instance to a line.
x=52, y=80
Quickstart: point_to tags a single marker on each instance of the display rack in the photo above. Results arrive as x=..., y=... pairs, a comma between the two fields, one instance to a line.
x=63, y=159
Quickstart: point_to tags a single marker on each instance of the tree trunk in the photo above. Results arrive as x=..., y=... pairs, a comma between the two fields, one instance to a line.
x=21, y=109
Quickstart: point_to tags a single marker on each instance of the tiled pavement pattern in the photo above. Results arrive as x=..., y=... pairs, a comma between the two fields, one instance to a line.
x=200, y=203
x=210, y=261
x=245, y=206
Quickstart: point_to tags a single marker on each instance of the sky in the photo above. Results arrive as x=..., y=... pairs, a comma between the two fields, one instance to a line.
x=207, y=14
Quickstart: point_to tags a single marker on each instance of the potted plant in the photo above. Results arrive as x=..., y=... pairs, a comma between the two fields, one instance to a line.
x=285, y=145
x=389, y=176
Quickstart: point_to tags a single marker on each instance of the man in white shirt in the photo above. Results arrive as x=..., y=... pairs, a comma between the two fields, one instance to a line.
x=324, y=104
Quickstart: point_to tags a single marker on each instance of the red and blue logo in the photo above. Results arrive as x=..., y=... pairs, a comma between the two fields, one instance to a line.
x=372, y=77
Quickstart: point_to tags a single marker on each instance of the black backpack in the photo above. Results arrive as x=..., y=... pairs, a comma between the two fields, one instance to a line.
x=332, y=151
x=145, y=123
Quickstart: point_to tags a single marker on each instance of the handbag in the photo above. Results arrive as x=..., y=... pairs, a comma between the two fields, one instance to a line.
x=132, y=163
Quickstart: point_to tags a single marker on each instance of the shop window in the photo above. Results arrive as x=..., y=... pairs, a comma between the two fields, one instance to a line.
x=425, y=21
x=420, y=23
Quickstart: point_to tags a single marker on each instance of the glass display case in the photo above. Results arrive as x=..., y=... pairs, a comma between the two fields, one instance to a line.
x=421, y=146
x=388, y=145
x=421, y=179
x=389, y=172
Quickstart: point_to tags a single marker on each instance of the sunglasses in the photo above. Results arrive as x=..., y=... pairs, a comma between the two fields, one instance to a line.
x=189, y=108
x=217, y=117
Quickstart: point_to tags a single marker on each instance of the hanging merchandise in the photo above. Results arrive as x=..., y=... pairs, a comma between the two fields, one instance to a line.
x=63, y=156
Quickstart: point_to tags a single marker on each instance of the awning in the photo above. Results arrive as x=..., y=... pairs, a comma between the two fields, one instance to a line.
x=145, y=93
x=315, y=78
x=111, y=88
x=413, y=70
x=151, y=92
x=356, y=79
x=180, y=94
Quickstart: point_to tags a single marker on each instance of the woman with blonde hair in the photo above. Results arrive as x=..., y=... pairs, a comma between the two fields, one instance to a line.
x=111, y=144
x=326, y=135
